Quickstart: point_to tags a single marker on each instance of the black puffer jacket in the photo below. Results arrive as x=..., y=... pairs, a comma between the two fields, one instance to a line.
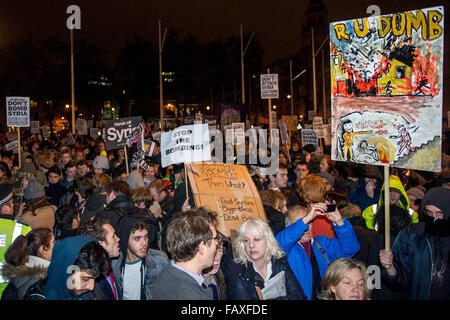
x=243, y=278
x=120, y=206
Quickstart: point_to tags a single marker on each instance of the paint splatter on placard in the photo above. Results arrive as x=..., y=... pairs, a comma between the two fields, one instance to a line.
x=386, y=81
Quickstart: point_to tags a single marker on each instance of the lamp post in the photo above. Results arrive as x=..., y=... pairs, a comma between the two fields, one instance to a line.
x=314, y=54
x=161, y=45
x=291, y=82
x=243, y=51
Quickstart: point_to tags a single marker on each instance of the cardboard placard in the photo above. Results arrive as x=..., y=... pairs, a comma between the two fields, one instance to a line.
x=228, y=190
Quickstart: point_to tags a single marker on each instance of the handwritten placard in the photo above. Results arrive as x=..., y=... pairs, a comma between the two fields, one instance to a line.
x=228, y=190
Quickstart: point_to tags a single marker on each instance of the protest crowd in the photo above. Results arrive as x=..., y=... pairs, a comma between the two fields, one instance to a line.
x=78, y=223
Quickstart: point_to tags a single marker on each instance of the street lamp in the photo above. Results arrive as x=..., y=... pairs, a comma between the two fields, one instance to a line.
x=291, y=96
x=243, y=51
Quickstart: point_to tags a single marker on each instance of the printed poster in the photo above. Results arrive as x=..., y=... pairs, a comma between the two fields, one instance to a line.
x=386, y=77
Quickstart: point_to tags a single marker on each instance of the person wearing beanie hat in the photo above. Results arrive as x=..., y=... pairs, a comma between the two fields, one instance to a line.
x=38, y=211
x=100, y=164
x=10, y=229
x=328, y=179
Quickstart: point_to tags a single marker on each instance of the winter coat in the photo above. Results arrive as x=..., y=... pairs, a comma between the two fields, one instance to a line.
x=120, y=206
x=55, y=192
x=96, y=203
x=40, y=213
x=344, y=246
x=22, y=278
x=275, y=219
x=360, y=197
x=394, y=183
x=243, y=279
x=413, y=252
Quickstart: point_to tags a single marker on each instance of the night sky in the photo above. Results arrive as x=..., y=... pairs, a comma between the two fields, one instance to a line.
x=108, y=24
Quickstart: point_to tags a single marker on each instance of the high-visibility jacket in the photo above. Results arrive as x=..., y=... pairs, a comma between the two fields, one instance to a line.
x=9, y=230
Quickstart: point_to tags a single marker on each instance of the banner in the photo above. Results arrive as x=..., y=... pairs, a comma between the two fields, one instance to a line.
x=309, y=136
x=117, y=131
x=185, y=144
x=386, y=89
x=18, y=111
x=228, y=190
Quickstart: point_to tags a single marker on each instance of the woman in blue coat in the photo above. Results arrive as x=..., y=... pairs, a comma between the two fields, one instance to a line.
x=260, y=270
x=309, y=257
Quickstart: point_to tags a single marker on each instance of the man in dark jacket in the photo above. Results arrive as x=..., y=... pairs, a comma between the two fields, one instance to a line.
x=419, y=260
x=118, y=202
x=279, y=181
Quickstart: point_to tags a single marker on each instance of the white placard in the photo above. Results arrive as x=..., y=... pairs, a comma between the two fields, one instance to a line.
x=45, y=132
x=12, y=145
x=34, y=127
x=269, y=86
x=238, y=132
x=309, y=137
x=327, y=134
x=185, y=144
x=81, y=126
x=18, y=111
x=318, y=127
x=93, y=132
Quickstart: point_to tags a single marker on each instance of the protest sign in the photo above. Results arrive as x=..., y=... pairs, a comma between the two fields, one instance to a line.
x=157, y=136
x=309, y=136
x=269, y=86
x=93, y=132
x=291, y=122
x=229, y=134
x=81, y=126
x=149, y=146
x=34, y=127
x=283, y=132
x=185, y=144
x=228, y=190
x=18, y=111
x=318, y=127
x=12, y=145
x=117, y=131
x=238, y=132
x=11, y=136
x=45, y=132
x=386, y=89
x=135, y=146
x=311, y=115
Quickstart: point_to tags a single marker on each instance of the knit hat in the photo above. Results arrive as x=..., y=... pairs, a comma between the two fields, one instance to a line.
x=6, y=193
x=101, y=162
x=416, y=192
x=34, y=190
x=371, y=171
x=327, y=176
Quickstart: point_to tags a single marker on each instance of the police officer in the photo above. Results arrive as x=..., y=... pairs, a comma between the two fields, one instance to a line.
x=10, y=229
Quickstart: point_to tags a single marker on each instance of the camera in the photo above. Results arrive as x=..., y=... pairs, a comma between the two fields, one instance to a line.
x=331, y=207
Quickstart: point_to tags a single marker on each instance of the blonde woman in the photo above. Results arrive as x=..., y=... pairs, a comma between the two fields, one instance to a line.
x=345, y=279
x=260, y=269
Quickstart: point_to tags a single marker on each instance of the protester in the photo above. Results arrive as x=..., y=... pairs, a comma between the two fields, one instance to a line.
x=279, y=181
x=419, y=260
x=101, y=230
x=137, y=266
x=310, y=256
x=368, y=188
x=67, y=220
x=96, y=202
x=260, y=262
x=274, y=216
x=27, y=260
x=214, y=277
x=83, y=169
x=345, y=279
x=118, y=202
x=100, y=164
x=76, y=263
x=70, y=170
x=192, y=241
x=397, y=197
x=54, y=190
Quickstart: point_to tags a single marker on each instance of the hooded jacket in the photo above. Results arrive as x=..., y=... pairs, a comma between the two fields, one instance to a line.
x=394, y=183
x=152, y=265
x=65, y=252
x=120, y=206
x=22, y=277
x=414, y=250
x=94, y=204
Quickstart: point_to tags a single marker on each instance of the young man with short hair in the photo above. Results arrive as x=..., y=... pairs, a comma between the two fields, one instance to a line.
x=137, y=266
x=101, y=230
x=192, y=240
x=279, y=181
